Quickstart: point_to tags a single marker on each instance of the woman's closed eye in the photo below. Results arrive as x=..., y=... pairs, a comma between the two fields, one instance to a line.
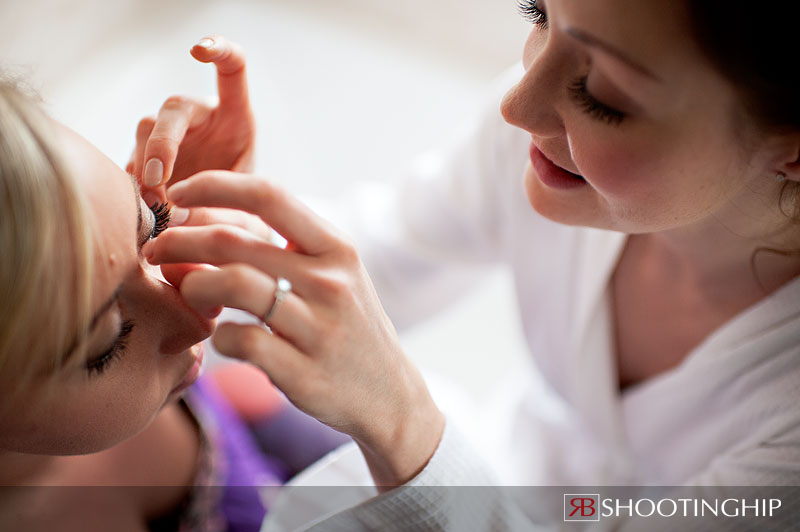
x=96, y=366
x=591, y=105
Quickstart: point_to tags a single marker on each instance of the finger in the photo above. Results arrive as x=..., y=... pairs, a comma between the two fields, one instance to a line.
x=231, y=76
x=219, y=245
x=174, y=274
x=245, y=288
x=280, y=210
x=154, y=196
x=143, y=131
x=176, y=115
x=282, y=363
x=201, y=216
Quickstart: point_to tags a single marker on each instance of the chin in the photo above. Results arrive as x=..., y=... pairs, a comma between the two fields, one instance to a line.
x=64, y=444
x=574, y=207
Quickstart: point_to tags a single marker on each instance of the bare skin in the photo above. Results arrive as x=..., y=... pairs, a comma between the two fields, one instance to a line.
x=121, y=425
x=668, y=165
x=162, y=460
x=665, y=311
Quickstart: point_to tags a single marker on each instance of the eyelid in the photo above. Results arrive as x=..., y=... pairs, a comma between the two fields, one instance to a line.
x=592, y=106
x=147, y=223
x=98, y=364
x=155, y=221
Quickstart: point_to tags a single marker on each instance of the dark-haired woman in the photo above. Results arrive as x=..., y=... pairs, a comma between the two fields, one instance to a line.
x=654, y=245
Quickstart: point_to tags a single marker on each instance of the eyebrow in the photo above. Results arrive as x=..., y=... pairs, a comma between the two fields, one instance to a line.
x=590, y=40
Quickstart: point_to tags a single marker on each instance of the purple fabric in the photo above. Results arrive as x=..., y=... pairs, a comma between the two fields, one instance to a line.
x=244, y=466
x=295, y=438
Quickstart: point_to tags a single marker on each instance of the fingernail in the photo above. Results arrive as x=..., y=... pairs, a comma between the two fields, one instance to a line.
x=153, y=172
x=178, y=216
x=205, y=43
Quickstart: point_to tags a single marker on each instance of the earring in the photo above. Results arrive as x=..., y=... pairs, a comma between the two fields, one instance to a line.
x=781, y=177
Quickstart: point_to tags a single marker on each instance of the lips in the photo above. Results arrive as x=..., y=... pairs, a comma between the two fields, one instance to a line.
x=551, y=174
x=193, y=372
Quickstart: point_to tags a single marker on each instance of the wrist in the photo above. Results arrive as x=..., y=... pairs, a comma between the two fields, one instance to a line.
x=400, y=450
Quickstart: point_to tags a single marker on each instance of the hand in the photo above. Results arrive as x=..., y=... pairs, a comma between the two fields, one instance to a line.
x=188, y=135
x=200, y=216
x=331, y=350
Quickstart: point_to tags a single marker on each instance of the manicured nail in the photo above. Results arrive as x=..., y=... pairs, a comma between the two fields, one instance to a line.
x=206, y=43
x=153, y=172
x=178, y=216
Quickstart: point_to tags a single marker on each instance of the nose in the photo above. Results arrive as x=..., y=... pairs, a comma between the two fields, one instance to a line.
x=532, y=104
x=174, y=327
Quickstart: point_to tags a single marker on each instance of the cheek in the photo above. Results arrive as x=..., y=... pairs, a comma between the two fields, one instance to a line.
x=107, y=415
x=81, y=417
x=72, y=424
x=616, y=169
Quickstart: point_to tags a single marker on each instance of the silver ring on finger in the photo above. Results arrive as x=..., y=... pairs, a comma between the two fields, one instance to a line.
x=282, y=289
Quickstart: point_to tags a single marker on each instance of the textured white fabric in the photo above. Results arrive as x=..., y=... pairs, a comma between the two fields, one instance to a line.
x=729, y=414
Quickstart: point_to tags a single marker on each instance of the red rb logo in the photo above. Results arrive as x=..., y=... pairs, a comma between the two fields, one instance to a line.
x=581, y=507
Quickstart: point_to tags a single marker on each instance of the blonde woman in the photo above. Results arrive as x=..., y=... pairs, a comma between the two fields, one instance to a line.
x=97, y=347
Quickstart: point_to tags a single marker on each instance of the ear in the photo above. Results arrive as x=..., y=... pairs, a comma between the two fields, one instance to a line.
x=789, y=159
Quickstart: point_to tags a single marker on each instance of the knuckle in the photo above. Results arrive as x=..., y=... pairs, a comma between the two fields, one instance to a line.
x=237, y=281
x=269, y=195
x=144, y=126
x=248, y=341
x=160, y=141
x=176, y=102
x=328, y=285
x=347, y=253
x=223, y=235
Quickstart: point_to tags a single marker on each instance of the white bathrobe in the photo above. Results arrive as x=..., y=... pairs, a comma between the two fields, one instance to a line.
x=729, y=414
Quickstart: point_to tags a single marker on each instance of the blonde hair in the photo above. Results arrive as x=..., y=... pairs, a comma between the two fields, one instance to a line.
x=47, y=250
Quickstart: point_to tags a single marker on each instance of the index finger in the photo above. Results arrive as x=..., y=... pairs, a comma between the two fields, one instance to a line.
x=292, y=219
x=228, y=57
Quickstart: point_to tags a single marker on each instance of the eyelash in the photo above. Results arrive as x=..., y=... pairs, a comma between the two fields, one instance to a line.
x=162, y=213
x=100, y=364
x=529, y=9
x=592, y=106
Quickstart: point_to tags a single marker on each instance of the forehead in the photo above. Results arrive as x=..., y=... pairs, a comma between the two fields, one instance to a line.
x=657, y=32
x=111, y=202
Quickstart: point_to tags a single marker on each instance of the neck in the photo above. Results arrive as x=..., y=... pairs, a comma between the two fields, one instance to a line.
x=728, y=258
x=21, y=469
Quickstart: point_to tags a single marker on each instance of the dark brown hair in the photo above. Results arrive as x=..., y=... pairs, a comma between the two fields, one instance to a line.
x=755, y=45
